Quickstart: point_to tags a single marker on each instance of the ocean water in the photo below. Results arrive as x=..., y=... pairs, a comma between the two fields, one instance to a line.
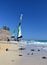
x=36, y=42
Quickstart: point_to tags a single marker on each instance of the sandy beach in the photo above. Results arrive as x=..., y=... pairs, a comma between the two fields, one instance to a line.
x=31, y=55
x=9, y=57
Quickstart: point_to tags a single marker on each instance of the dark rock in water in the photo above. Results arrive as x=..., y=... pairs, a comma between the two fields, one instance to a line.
x=32, y=50
x=7, y=49
x=38, y=50
x=20, y=55
x=21, y=48
x=31, y=53
x=28, y=53
x=44, y=57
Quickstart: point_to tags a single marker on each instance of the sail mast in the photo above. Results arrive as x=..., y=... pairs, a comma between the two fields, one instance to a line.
x=19, y=28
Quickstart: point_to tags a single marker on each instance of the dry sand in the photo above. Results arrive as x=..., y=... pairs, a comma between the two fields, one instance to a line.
x=11, y=57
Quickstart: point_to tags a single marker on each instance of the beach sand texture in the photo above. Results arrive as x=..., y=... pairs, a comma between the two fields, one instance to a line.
x=11, y=56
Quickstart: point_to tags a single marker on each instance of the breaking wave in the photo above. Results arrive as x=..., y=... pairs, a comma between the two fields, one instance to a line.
x=36, y=42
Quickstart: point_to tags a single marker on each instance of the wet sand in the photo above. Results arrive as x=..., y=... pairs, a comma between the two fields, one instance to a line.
x=35, y=59
x=27, y=56
x=34, y=56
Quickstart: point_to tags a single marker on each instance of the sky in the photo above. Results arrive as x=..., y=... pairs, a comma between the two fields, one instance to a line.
x=34, y=23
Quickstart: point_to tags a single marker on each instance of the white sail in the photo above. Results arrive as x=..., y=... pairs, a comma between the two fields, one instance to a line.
x=19, y=31
x=19, y=27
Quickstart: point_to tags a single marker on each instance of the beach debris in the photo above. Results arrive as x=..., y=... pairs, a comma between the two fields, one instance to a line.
x=21, y=48
x=20, y=55
x=44, y=57
x=32, y=50
x=31, y=53
x=6, y=49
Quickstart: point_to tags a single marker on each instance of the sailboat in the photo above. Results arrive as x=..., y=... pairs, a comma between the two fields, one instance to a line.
x=19, y=34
